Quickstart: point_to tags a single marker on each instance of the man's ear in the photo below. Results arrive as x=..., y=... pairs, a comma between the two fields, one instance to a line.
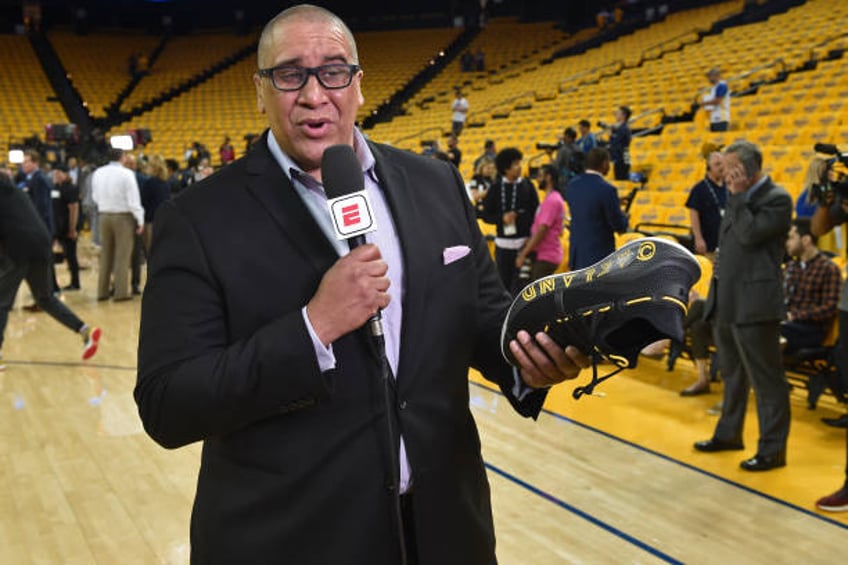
x=260, y=93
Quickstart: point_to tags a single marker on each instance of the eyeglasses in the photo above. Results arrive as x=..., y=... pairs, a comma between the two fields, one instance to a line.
x=289, y=78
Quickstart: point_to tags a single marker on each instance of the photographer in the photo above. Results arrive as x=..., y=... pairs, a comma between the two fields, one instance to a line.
x=831, y=193
x=565, y=157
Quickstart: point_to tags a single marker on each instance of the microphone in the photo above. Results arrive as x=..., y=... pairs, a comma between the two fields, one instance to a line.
x=350, y=208
x=826, y=148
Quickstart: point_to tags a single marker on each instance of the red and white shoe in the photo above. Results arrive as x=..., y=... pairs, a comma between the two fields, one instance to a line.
x=90, y=347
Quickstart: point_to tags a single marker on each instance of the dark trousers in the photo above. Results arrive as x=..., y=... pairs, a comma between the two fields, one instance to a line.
x=38, y=276
x=69, y=247
x=505, y=261
x=749, y=355
x=139, y=255
x=621, y=170
x=542, y=269
x=801, y=335
x=719, y=126
x=699, y=329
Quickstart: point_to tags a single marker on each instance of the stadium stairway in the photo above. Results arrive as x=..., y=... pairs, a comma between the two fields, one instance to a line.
x=119, y=117
x=113, y=110
x=67, y=95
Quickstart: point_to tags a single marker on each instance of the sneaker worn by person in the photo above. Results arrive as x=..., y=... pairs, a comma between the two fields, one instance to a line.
x=611, y=310
x=91, y=338
x=836, y=502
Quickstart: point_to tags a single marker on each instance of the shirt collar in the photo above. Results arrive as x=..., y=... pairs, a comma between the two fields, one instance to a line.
x=360, y=147
x=757, y=185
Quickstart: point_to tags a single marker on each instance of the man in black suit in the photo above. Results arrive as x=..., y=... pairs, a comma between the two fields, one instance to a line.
x=252, y=337
x=746, y=303
x=596, y=213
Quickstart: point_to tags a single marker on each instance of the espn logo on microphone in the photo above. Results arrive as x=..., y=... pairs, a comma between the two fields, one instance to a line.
x=352, y=215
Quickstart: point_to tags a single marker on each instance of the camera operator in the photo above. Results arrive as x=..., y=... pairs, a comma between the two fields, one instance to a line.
x=565, y=157
x=831, y=194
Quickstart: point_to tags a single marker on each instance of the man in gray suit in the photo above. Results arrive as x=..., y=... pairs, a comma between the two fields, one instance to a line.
x=746, y=304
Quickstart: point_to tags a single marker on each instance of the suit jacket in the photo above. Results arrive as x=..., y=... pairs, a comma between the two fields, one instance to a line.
x=595, y=217
x=39, y=190
x=295, y=466
x=23, y=236
x=751, y=249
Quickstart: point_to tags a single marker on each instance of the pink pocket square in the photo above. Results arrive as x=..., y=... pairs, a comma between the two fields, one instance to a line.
x=455, y=253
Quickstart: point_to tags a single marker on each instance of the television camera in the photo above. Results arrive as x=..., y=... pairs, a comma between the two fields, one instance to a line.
x=830, y=180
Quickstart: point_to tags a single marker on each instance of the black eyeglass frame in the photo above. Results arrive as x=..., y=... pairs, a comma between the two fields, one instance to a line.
x=310, y=71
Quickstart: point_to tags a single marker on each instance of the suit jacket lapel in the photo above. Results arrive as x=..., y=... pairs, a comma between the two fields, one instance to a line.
x=270, y=185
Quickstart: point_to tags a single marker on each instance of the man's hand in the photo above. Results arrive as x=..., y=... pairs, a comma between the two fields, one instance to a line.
x=735, y=178
x=139, y=229
x=700, y=245
x=543, y=362
x=520, y=258
x=510, y=217
x=352, y=291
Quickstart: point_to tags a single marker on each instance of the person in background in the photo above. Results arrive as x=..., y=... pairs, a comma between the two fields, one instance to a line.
x=26, y=254
x=154, y=192
x=596, y=214
x=717, y=101
x=586, y=141
x=459, y=109
x=115, y=191
x=68, y=221
x=707, y=201
x=811, y=284
x=746, y=305
x=564, y=160
x=489, y=152
x=227, y=152
x=544, y=247
x=454, y=153
x=484, y=177
x=619, y=144
x=510, y=204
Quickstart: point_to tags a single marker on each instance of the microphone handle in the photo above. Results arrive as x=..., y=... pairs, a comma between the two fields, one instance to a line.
x=375, y=322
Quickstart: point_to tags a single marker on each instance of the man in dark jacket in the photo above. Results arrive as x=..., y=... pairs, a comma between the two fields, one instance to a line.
x=746, y=302
x=595, y=213
x=66, y=214
x=26, y=254
x=511, y=205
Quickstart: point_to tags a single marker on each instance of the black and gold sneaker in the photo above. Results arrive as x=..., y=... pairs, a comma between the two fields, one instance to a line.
x=637, y=295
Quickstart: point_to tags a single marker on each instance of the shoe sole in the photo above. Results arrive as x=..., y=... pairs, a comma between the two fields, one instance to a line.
x=91, y=347
x=828, y=508
x=643, y=297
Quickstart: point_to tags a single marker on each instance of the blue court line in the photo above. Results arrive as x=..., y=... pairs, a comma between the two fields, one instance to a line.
x=588, y=517
x=682, y=463
x=69, y=364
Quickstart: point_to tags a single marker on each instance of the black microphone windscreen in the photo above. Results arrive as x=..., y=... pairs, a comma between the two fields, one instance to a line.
x=341, y=172
x=826, y=148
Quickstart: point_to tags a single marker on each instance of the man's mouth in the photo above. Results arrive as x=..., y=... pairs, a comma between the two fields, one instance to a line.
x=315, y=127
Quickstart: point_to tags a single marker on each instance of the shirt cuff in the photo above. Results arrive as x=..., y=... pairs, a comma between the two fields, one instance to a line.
x=326, y=357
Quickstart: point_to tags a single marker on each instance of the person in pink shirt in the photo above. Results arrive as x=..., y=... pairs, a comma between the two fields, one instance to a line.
x=545, y=233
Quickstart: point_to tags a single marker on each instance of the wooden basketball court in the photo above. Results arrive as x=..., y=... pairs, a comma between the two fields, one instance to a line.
x=608, y=478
